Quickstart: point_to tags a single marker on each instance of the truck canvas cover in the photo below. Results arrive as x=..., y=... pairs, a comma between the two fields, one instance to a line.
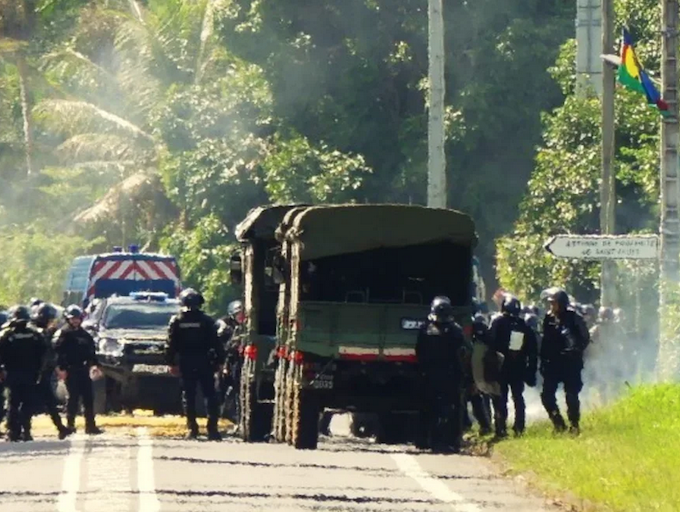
x=357, y=228
x=261, y=222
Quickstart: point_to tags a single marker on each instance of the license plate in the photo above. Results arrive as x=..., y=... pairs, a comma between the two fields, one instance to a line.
x=155, y=369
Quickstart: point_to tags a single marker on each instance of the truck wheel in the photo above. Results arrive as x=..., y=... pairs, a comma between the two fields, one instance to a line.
x=305, y=415
x=393, y=429
x=280, y=401
x=256, y=418
x=289, y=400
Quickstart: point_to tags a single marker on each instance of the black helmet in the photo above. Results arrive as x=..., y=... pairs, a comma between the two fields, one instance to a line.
x=532, y=321
x=35, y=301
x=42, y=314
x=19, y=313
x=441, y=310
x=511, y=305
x=73, y=311
x=479, y=327
x=190, y=298
x=3, y=317
x=559, y=296
x=234, y=308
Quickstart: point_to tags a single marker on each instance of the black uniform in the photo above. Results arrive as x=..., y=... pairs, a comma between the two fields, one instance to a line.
x=439, y=354
x=76, y=354
x=21, y=354
x=564, y=341
x=45, y=392
x=194, y=347
x=511, y=336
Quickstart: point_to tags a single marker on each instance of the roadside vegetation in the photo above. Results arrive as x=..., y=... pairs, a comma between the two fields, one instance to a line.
x=627, y=458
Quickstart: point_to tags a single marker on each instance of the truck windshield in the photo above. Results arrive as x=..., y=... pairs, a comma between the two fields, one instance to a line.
x=139, y=316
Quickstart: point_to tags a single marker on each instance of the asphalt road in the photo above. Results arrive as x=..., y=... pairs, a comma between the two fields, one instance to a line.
x=116, y=472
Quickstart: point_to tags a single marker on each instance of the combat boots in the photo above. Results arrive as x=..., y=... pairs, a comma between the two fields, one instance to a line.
x=558, y=422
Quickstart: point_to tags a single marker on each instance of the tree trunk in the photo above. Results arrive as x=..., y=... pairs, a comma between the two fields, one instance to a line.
x=26, y=111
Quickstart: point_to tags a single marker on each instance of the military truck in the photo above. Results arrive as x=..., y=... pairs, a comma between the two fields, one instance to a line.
x=355, y=284
x=253, y=268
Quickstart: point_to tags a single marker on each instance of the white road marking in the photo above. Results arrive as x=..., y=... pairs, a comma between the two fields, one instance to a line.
x=148, y=500
x=410, y=467
x=108, y=468
x=71, y=476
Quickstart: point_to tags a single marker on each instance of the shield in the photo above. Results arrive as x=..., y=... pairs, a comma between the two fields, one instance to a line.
x=486, y=366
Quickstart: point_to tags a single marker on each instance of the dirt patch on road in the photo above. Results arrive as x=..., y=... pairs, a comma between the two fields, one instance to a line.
x=158, y=426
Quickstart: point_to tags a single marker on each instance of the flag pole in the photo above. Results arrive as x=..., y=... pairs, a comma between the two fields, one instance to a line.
x=608, y=184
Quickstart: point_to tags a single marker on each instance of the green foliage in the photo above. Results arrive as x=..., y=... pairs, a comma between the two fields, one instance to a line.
x=563, y=192
x=34, y=263
x=626, y=458
x=203, y=255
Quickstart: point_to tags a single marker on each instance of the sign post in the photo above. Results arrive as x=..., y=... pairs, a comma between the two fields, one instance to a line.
x=604, y=247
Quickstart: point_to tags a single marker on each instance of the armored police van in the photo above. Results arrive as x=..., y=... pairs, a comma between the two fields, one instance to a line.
x=120, y=273
x=355, y=284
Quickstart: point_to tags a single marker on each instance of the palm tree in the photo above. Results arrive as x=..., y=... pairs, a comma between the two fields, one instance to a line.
x=105, y=109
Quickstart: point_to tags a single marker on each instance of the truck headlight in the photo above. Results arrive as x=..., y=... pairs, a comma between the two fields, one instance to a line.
x=111, y=347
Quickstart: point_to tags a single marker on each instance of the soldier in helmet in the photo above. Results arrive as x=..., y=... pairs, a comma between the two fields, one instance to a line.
x=230, y=333
x=22, y=349
x=77, y=361
x=43, y=317
x=565, y=338
x=511, y=336
x=439, y=354
x=194, y=352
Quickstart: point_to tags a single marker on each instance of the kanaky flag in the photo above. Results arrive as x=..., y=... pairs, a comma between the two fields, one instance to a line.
x=633, y=76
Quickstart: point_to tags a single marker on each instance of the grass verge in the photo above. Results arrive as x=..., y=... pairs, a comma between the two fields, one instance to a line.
x=626, y=459
x=162, y=426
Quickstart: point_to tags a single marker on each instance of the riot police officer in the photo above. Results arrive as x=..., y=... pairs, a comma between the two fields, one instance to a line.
x=230, y=334
x=21, y=356
x=510, y=336
x=439, y=357
x=43, y=317
x=194, y=353
x=565, y=337
x=76, y=357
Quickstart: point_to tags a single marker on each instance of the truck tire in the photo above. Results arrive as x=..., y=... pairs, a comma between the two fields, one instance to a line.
x=289, y=400
x=256, y=418
x=280, y=385
x=305, y=415
x=393, y=429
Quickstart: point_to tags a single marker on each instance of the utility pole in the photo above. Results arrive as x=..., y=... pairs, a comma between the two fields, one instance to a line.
x=670, y=225
x=436, y=169
x=589, y=47
x=608, y=185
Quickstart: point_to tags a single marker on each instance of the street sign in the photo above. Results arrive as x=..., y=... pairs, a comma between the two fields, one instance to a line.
x=604, y=247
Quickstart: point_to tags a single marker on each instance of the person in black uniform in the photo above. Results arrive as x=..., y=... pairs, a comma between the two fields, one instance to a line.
x=439, y=353
x=22, y=349
x=43, y=316
x=512, y=337
x=565, y=337
x=3, y=319
x=230, y=333
x=76, y=357
x=194, y=352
